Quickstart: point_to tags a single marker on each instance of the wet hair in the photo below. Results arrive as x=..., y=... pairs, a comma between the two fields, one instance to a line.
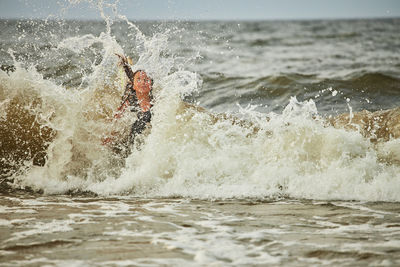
x=151, y=79
x=151, y=89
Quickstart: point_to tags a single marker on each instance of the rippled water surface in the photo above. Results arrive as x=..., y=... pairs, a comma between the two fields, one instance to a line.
x=67, y=231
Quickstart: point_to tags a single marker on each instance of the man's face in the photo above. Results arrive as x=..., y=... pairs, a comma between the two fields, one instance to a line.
x=142, y=82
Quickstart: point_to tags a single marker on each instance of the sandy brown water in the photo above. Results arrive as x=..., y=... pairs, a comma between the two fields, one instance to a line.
x=206, y=197
x=91, y=231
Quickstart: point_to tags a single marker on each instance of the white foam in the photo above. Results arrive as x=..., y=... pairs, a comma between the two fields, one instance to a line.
x=125, y=232
x=214, y=247
x=14, y=222
x=43, y=228
x=190, y=153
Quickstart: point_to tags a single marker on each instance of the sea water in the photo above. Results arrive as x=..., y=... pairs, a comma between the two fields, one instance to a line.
x=250, y=173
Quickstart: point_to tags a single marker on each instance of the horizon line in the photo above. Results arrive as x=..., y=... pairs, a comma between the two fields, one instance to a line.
x=207, y=20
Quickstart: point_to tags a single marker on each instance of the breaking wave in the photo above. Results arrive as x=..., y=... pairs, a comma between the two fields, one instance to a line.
x=51, y=133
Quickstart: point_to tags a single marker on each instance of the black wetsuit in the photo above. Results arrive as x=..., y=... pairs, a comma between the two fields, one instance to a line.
x=143, y=118
x=130, y=95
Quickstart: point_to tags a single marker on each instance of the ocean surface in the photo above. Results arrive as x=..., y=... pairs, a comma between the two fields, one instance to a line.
x=249, y=173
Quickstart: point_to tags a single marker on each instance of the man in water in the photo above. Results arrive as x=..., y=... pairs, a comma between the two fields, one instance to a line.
x=138, y=97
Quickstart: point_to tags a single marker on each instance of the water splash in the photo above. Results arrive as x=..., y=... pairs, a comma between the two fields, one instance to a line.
x=190, y=152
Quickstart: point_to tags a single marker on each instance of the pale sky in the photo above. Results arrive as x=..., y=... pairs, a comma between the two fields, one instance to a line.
x=202, y=9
